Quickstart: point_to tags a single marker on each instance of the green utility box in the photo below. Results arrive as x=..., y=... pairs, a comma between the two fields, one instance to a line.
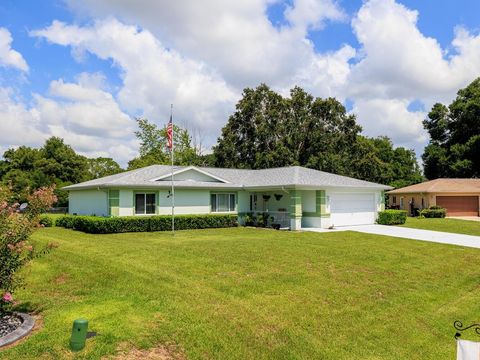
x=79, y=334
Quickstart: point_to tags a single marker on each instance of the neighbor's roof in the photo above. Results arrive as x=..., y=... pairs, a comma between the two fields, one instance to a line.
x=442, y=186
x=293, y=176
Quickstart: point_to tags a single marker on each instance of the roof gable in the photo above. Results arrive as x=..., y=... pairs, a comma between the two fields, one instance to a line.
x=193, y=174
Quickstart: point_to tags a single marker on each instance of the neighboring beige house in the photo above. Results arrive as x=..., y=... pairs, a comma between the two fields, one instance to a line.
x=461, y=197
x=294, y=196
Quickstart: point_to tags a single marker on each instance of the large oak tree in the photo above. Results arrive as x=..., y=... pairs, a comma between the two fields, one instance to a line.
x=454, y=147
x=269, y=130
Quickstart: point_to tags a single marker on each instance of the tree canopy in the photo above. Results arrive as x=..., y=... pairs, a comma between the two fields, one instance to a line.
x=153, y=146
x=268, y=130
x=376, y=159
x=454, y=147
x=55, y=163
x=102, y=166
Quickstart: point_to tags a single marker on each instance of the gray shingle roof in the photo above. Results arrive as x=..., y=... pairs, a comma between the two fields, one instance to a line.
x=292, y=176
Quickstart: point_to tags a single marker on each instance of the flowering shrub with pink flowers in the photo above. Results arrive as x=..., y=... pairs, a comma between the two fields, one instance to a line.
x=15, y=229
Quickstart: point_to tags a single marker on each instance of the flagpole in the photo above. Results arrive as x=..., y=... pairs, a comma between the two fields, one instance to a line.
x=173, y=186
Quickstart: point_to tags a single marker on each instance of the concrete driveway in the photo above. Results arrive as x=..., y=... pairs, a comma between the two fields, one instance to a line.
x=470, y=218
x=413, y=234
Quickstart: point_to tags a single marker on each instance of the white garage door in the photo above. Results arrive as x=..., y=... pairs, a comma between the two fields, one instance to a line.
x=352, y=209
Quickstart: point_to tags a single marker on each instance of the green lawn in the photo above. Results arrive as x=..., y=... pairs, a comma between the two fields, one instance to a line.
x=251, y=294
x=448, y=225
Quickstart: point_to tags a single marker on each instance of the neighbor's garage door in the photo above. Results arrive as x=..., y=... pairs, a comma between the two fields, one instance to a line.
x=459, y=205
x=352, y=209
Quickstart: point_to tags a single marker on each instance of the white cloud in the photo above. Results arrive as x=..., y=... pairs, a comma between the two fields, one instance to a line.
x=399, y=61
x=96, y=145
x=311, y=14
x=390, y=116
x=84, y=110
x=235, y=38
x=216, y=54
x=8, y=56
x=87, y=118
x=19, y=125
x=466, y=64
x=93, y=80
x=153, y=76
x=327, y=74
x=399, y=64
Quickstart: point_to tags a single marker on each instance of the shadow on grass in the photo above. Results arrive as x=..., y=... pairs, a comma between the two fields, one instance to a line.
x=27, y=307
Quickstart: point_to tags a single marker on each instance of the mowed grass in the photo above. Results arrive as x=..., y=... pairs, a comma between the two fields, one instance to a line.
x=457, y=226
x=250, y=294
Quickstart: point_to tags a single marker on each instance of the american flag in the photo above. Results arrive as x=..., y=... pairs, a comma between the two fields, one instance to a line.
x=170, y=133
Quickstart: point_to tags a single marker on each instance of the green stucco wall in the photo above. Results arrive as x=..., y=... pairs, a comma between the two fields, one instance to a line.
x=295, y=204
x=88, y=202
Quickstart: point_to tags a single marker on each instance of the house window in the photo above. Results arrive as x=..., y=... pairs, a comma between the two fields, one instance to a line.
x=394, y=200
x=144, y=204
x=401, y=202
x=222, y=202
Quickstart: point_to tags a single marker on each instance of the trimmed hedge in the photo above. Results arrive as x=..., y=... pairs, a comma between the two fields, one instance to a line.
x=105, y=225
x=65, y=221
x=433, y=212
x=46, y=221
x=392, y=217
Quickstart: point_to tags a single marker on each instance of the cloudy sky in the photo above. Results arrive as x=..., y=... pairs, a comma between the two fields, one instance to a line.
x=83, y=69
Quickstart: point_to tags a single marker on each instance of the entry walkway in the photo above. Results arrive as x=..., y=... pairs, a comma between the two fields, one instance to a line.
x=408, y=233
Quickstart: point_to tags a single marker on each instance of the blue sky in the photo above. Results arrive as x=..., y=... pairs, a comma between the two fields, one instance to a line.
x=103, y=62
x=437, y=19
x=50, y=62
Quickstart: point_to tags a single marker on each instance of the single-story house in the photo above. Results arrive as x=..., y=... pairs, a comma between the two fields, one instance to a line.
x=461, y=197
x=294, y=196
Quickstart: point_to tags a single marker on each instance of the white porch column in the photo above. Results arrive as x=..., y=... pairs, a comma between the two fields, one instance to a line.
x=295, y=210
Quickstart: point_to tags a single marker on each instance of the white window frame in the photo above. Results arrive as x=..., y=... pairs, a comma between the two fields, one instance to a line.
x=401, y=202
x=229, y=205
x=144, y=203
